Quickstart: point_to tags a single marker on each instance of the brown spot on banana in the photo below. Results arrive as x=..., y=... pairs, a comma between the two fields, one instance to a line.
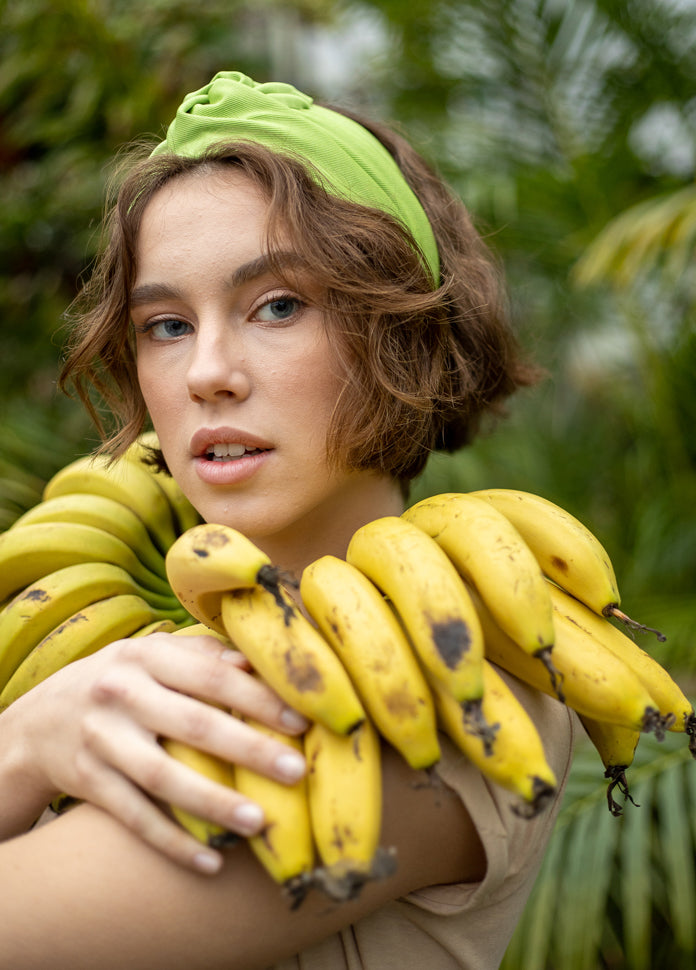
x=452, y=639
x=38, y=595
x=301, y=673
x=401, y=703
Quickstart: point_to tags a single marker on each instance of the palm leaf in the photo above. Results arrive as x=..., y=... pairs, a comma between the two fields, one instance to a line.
x=618, y=891
x=639, y=238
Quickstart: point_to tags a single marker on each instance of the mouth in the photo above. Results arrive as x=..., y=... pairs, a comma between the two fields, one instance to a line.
x=229, y=452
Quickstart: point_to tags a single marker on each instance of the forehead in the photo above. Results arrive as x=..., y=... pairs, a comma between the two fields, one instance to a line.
x=211, y=224
x=201, y=218
x=223, y=193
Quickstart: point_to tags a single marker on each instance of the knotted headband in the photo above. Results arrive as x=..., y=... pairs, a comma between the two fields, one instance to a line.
x=343, y=156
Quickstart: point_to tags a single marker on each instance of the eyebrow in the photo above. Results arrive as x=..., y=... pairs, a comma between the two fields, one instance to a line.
x=152, y=292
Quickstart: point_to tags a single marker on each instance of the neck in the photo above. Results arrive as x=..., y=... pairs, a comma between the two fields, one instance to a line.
x=329, y=531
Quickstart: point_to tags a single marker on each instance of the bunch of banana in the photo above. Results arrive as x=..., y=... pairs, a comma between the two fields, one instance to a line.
x=617, y=689
x=428, y=594
x=92, y=548
x=358, y=675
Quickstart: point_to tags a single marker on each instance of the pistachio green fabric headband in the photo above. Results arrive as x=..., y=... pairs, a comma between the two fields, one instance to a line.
x=345, y=158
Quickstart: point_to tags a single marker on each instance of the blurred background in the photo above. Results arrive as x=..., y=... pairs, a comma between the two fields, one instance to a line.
x=569, y=129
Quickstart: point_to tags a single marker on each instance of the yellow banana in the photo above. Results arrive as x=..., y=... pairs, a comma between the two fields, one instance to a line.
x=102, y=513
x=362, y=629
x=33, y=551
x=291, y=656
x=567, y=551
x=616, y=746
x=208, y=765
x=198, y=629
x=185, y=515
x=46, y=603
x=157, y=626
x=127, y=482
x=428, y=594
x=209, y=560
x=82, y=634
x=595, y=681
x=517, y=761
x=345, y=805
x=285, y=846
x=668, y=696
x=489, y=552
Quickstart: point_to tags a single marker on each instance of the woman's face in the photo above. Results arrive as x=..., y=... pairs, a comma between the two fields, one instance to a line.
x=236, y=369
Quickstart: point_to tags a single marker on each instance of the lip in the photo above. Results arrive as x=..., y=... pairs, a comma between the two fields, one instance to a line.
x=205, y=438
x=228, y=473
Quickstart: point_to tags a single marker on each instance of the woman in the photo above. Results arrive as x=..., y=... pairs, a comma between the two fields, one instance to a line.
x=305, y=313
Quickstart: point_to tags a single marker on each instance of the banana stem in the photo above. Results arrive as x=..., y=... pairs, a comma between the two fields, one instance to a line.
x=613, y=610
x=657, y=723
x=270, y=578
x=617, y=779
x=556, y=678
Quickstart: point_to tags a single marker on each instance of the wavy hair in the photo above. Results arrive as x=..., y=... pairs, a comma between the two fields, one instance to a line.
x=422, y=361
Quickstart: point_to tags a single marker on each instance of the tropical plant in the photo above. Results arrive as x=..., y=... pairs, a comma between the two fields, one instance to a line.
x=617, y=891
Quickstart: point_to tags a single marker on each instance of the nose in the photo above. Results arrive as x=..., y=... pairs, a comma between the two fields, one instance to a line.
x=217, y=369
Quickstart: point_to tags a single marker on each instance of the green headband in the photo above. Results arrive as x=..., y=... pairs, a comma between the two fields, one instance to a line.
x=349, y=161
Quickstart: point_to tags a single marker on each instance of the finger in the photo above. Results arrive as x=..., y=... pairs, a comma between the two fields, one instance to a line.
x=117, y=796
x=144, y=762
x=154, y=712
x=213, y=647
x=213, y=675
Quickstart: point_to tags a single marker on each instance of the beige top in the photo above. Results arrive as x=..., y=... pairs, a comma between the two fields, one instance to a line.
x=466, y=926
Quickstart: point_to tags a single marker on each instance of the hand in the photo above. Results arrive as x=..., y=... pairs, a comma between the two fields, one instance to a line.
x=92, y=731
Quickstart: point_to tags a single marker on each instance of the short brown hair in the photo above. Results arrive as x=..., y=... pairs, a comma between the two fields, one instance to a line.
x=421, y=363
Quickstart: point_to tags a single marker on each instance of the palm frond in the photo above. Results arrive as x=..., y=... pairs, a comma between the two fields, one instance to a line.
x=609, y=886
x=638, y=239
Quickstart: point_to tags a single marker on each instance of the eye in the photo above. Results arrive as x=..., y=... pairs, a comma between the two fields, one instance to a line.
x=165, y=329
x=278, y=309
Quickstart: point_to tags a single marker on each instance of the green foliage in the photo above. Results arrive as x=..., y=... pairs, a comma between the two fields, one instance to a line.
x=78, y=80
x=638, y=869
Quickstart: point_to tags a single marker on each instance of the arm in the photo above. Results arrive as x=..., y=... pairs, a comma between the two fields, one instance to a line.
x=85, y=892
x=91, y=730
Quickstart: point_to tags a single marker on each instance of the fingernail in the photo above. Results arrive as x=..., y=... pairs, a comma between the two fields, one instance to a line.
x=249, y=816
x=291, y=766
x=293, y=720
x=207, y=862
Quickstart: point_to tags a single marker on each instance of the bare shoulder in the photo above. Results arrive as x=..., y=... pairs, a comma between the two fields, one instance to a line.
x=97, y=896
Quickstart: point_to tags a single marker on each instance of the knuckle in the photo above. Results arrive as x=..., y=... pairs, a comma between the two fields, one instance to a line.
x=128, y=650
x=109, y=688
x=134, y=815
x=196, y=724
x=83, y=770
x=152, y=775
x=90, y=731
